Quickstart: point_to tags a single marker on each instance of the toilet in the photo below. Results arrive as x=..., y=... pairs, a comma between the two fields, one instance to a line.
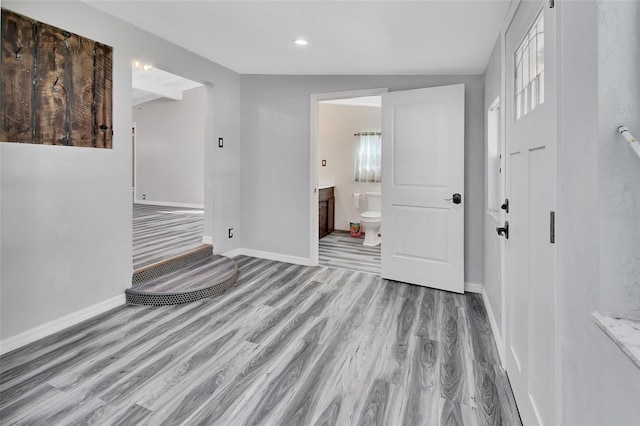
x=372, y=219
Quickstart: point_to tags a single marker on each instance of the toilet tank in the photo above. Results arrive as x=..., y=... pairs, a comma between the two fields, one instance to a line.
x=374, y=201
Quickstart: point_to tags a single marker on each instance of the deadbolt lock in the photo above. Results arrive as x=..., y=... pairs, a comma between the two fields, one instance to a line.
x=504, y=231
x=505, y=205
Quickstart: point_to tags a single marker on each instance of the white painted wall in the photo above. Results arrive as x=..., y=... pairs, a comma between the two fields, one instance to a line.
x=66, y=212
x=275, y=157
x=337, y=145
x=600, y=384
x=170, y=148
x=619, y=103
x=492, y=262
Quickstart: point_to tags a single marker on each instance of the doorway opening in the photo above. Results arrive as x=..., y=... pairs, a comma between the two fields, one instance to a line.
x=422, y=187
x=349, y=207
x=167, y=166
x=346, y=180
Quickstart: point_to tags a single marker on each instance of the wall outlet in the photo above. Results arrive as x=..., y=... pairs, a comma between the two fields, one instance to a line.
x=230, y=232
x=144, y=196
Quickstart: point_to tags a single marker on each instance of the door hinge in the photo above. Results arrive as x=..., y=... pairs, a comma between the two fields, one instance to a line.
x=552, y=4
x=552, y=227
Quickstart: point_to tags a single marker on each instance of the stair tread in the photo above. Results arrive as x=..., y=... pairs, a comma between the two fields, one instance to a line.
x=204, y=273
x=201, y=248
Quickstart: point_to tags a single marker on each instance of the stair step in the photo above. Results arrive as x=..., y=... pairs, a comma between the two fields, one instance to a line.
x=205, y=277
x=167, y=266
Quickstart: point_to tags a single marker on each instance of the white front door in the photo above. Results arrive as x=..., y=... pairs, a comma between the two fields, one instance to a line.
x=422, y=169
x=531, y=174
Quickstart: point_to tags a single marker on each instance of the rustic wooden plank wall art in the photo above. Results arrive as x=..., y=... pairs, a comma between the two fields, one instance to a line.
x=56, y=87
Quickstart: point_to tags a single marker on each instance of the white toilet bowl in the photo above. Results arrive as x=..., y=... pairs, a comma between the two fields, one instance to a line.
x=372, y=219
x=371, y=222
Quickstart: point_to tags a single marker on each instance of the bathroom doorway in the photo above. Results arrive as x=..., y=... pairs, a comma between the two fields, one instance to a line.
x=346, y=141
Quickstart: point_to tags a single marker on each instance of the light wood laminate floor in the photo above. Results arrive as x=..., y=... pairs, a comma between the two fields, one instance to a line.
x=161, y=232
x=288, y=345
x=340, y=250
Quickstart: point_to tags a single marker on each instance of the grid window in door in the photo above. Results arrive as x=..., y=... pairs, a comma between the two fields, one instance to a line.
x=529, y=72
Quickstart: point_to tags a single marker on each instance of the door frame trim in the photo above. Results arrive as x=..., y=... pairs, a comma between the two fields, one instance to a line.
x=508, y=19
x=314, y=128
x=134, y=153
x=559, y=102
x=500, y=216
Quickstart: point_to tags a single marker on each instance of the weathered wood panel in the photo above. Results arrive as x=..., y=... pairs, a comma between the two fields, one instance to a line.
x=81, y=95
x=103, y=87
x=56, y=86
x=52, y=87
x=16, y=87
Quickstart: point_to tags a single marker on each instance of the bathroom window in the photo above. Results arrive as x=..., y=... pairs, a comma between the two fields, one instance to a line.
x=368, y=158
x=529, y=60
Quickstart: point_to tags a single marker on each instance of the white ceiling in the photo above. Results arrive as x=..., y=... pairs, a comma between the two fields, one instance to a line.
x=345, y=37
x=153, y=83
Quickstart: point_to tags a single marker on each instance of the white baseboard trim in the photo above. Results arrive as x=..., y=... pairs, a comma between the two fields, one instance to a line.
x=472, y=288
x=207, y=240
x=44, y=330
x=169, y=204
x=270, y=256
x=494, y=327
x=233, y=253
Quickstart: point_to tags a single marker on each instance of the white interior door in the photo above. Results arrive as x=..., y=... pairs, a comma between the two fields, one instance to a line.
x=531, y=177
x=422, y=169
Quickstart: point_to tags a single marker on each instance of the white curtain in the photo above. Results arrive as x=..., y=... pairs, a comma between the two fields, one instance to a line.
x=368, y=163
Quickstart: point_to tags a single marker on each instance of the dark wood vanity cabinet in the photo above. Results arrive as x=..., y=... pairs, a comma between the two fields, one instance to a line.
x=326, y=213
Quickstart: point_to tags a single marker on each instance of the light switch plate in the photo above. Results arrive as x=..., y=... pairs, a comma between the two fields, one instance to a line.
x=220, y=142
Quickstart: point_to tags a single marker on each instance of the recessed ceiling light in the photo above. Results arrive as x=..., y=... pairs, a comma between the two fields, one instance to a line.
x=300, y=42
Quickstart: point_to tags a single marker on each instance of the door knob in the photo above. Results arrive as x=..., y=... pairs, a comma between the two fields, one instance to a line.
x=504, y=231
x=457, y=198
x=505, y=205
